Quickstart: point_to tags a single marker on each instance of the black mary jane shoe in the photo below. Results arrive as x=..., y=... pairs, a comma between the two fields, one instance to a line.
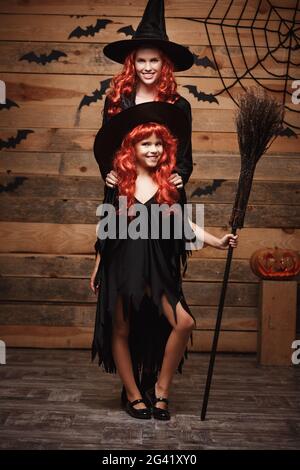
x=158, y=413
x=142, y=413
x=123, y=399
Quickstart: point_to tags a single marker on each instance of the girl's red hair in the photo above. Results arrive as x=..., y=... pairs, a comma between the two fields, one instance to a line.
x=125, y=163
x=125, y=82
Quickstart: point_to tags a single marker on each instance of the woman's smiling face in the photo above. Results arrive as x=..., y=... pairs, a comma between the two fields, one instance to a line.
x=149, y=151
x=148, y=64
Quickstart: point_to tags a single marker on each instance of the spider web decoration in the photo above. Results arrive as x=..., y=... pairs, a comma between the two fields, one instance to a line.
x=287, y=37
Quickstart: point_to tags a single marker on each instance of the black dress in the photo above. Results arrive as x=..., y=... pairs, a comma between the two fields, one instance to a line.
x=126, y=268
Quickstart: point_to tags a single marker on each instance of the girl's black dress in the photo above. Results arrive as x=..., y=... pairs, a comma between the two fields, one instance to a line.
x=126, y=268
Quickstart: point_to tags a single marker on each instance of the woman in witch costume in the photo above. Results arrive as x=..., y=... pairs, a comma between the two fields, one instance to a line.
x=149, y=60
x=143, y=320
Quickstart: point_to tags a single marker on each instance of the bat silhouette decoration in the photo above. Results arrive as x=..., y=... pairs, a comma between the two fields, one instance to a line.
x=96, y=95
x=210, y=189
x=288, y=132
x=43, y=58
x=10, y=187
x=9, y=104
x=12, y=142
x=127, y=30
x=200, y=95
x=89, y=30
x=204, y=61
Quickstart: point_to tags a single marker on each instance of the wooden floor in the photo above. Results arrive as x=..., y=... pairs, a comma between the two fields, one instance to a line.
x=58, y=399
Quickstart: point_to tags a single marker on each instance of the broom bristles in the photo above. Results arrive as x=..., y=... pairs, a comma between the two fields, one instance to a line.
x=258, y=120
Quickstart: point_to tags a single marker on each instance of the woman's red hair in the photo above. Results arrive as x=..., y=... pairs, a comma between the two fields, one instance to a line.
x=125, y=163
x=125, y=82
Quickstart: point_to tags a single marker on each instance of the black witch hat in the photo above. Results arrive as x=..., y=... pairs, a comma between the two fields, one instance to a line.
x=109, y=138
x=151, y=32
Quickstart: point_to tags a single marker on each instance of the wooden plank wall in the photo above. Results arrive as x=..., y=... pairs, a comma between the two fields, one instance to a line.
x=50, y=184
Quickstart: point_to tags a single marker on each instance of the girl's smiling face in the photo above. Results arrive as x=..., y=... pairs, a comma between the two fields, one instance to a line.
x=149, y=151
x=148, y=64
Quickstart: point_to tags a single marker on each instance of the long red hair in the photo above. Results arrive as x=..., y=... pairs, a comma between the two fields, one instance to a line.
x=124, y=83
x=125, y=163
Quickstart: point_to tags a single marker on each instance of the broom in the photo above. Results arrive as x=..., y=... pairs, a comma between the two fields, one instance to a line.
x=258, y=122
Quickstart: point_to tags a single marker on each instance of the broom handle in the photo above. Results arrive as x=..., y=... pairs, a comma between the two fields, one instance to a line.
x=217, y=330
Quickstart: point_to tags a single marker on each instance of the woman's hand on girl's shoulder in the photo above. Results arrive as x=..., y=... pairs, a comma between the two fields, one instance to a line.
x=111, y=179
x=228, y=240
x=176, y=179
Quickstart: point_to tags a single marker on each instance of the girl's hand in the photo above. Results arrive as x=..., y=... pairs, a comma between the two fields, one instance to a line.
x=111, y=179
x=94, y=288
x=176, y=179
x=227, y=240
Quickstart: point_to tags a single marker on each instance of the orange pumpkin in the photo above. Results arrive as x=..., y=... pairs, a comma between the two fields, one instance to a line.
x=275, y=263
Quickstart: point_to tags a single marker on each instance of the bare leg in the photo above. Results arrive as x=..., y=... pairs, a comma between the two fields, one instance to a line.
x=175, y=347
x=121, y=354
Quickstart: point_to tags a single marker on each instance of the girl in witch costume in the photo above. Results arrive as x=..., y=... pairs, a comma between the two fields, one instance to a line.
x=149, y=60
x=142, y=319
